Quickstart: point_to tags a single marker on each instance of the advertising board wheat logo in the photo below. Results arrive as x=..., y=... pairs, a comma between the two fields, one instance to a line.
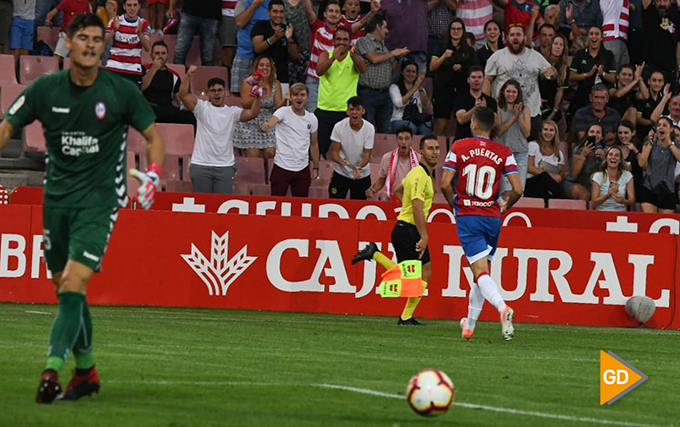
x=220, y=272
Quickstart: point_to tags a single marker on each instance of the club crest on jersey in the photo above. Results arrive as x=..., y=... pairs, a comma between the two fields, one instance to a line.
x=100, y=110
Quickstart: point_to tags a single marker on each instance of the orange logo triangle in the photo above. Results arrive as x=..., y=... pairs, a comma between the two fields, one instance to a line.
x=617, y=377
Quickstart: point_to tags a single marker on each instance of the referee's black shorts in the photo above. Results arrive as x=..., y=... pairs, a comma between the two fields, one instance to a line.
x=404, y=239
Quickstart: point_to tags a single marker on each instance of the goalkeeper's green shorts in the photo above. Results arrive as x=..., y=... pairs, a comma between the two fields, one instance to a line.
x=80, y=234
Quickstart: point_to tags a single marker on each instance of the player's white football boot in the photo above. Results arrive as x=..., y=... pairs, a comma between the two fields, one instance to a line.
x=506, y=323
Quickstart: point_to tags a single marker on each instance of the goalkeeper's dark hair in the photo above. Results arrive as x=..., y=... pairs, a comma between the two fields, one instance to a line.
x=484, y=118
x=80, y=22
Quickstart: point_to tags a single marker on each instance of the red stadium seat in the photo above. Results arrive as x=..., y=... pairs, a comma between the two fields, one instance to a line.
x=178, y=139
x=383, y=143
x=7, y=71
x=178, y=186
x=34, y=138
x=261, y=190
x=171, y=41
x=67, y=63
x=8, y=93
x=49, y=35
x=178, y=68
x=250, y=171
x=530, y=202
x=318, y=192
x=242, y=188
x=136, y=141
x=32, y=67
x=199, y=81
x=229, y=100
x=567, y=204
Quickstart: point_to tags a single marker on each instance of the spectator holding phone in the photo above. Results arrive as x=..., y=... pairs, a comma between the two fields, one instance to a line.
x=658, y=158
x=584, y=162
x=612, y=187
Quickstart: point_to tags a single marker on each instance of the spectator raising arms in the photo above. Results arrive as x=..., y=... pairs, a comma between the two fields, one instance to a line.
x=628, y=90
x=213, y=166
x=590, y=66
x=658, y=158
x=450, y=63
x=296, y=139
x=514, y=128
x=248, y=136
x=409, y=91
x=613, y=188
x=546, y=164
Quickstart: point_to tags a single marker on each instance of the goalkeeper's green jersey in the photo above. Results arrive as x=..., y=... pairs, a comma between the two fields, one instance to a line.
x=85, y=130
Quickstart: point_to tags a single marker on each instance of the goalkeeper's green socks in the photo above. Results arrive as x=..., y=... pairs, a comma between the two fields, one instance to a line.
x=82, y=350
x=65, y=329
x=411, y=305
x=383, y=260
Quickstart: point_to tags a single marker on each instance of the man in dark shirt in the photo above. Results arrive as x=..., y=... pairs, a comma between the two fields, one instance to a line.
x=468, y=103
x=598, y=112
x=271, y=38
x=200, y=17
x=160, y=86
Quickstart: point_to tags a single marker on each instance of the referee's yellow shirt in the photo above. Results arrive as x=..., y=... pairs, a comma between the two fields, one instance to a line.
x=417, y=185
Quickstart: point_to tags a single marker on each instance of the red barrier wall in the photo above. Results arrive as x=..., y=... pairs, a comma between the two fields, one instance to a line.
x=302, y=264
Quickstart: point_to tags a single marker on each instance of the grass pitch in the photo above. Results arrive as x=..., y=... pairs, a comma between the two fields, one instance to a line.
x=190, y=367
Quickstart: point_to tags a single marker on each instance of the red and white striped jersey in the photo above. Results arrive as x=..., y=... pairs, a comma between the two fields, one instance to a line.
x=126, y=50
x=614, y=19
x=475, y=13
x=228, y=7
x=322, y=41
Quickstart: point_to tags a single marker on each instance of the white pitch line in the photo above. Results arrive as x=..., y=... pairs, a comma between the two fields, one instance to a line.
x=37, y=312
x=491, y=408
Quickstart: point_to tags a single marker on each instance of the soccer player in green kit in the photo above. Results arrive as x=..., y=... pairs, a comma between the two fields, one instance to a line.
x=85, y=112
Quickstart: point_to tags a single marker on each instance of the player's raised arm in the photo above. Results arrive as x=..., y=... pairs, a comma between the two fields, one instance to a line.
x=6, y=131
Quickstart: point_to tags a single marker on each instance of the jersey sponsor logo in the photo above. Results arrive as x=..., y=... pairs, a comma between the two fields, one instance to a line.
x=100, y=110
x=77, y=143
x=61, y=110
x=17, y=104
x=220, y=272
x=468, y=202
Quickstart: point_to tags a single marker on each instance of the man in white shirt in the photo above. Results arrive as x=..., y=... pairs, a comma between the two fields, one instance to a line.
x=212, y=162
x=517, y=62
x=351, y=145
x=296, y=137
x=395, y=165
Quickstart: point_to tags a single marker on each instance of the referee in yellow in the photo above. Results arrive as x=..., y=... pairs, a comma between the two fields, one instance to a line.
x=409, y=236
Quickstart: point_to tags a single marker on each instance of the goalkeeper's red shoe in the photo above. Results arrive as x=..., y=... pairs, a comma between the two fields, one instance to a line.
x=82, y=385
x=49, y=388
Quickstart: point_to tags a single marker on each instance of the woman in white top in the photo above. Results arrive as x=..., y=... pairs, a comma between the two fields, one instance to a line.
x=409, y=89
x=545, y=164
x=613, y=188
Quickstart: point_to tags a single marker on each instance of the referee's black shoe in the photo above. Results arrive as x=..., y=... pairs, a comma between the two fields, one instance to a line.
x=409, y=322
x=366, y=254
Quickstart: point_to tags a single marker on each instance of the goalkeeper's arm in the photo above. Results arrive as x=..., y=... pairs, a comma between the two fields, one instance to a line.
x=154, y=145
x=150, y=180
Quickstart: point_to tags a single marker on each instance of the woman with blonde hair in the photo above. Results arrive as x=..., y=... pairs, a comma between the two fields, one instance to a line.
x=613, y=187
x=545, y=165
x=247, y=135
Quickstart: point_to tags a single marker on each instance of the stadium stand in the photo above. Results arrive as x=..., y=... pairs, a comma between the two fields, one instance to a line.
x=8, y=93
x=249, y=171
x=33, y=138
x=7, y=70
x=567, y=204
x=383, y=143
x=49, y=35
x=32, y=67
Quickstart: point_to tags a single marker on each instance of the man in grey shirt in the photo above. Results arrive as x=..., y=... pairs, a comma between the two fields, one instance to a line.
x=374, y=84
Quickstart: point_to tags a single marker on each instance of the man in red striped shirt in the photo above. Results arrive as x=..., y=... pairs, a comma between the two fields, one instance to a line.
x=130, y=34
x=615, y=29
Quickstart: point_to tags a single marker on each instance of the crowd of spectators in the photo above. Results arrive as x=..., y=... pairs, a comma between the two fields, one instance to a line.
x=585, y=91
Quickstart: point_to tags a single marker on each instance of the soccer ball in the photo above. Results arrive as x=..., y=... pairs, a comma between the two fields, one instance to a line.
x=430, y=392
